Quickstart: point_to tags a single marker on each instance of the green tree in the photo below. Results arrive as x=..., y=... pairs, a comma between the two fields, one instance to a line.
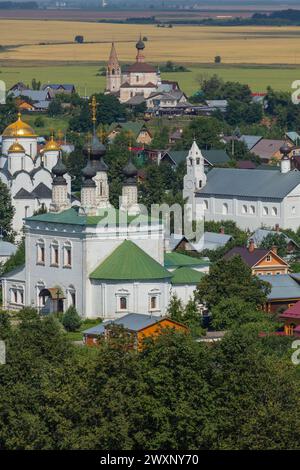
x=231, y=278
x=16, y=260
x=6, y=211
x=55, y=108
x=231, y=312
x=275, y=239
x=71, y=320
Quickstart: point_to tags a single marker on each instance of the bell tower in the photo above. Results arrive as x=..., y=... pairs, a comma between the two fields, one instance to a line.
x=113, y=72
x=195, y=178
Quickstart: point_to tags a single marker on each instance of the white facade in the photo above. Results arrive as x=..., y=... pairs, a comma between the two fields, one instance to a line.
x=26, y=172
x=250, y=198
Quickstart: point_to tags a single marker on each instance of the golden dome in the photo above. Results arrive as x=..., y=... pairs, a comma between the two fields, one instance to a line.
x=51, y=145
x=19, y=129
x=16, y=148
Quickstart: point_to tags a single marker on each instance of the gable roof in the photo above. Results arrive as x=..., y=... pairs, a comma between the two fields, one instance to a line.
x=212, y=156
x=266, y=148
x=252, y=183
x=260, y=234
x=129, y=126
x=294, y=137
x=129, y=262
x=250, y=140
x=185, y=275
x=283, y=286
x=42, y=192
x=131, y=321
x=251, y=258
x=57, y=86
x=175, y=260
x=292, y=312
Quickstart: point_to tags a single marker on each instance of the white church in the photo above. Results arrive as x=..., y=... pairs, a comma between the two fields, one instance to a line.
x=251, y=198
x=105, y=262
x=27, y=171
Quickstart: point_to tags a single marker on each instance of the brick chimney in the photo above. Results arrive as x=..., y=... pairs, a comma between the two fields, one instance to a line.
x=274, y=249
x=277, y=228
x=222, y=230
x=251, y=246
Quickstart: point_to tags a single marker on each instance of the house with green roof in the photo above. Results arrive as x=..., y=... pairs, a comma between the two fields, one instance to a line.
x=212, y=157
x=136, y=130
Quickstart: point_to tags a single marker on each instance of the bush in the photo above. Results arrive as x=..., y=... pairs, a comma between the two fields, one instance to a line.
x=39, y=122
x=71, y=320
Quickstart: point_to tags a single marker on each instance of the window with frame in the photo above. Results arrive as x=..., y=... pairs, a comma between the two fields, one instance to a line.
x=123, y=303
x=274, y=211
x=268, y=258
x=67, y=252
x=225, y=208
x=265, y=211
x=41, y=252
x=54, y=253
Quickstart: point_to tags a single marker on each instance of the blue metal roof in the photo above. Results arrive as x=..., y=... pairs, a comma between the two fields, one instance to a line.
x=131, y=321
x=283, y=286
x=249, y=183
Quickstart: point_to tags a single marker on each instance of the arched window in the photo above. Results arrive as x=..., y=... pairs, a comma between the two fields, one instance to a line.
x=71, y=296
x=205, y=205
x=200, y=183
x=225, y=208
x=244, y=209
x=153, y=303
x=40, y=252
x=293, y=210
x=198, y=161
x=67, y=254
x=265, y=211
x=137, y=79
x=274, y=211
x=252, y=210
x=54, y=253
x=113, y=72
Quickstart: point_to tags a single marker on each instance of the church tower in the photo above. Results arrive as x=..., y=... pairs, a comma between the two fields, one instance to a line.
x=60, y=198
x=195, y=177
x=129, y=202
x=113, y=72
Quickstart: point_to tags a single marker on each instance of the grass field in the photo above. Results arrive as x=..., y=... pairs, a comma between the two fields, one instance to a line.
x=87, y=82
x=54, y=40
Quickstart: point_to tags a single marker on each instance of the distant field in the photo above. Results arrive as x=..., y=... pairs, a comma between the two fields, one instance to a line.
x=87, y=82
x=35, y=40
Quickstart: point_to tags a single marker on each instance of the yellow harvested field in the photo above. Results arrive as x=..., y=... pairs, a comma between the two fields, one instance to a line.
x=190, y=44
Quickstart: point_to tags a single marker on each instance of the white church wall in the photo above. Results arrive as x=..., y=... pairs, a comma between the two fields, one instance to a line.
x=184, y=292
x=29, y=144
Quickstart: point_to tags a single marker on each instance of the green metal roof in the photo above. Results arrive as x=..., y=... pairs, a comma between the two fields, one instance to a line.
x=106, y=216
x=213, y=156
x=173, y=260
x=129, y=262
x=186, y=275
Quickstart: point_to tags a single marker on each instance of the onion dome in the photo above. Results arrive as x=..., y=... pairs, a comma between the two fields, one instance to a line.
x=140, y=45
x=59, y=170
x=16, y=148
x=19, y=129
x=51, y=146
x=285, y=150
x=96, y=150
x=130, y=172
x=88, y=174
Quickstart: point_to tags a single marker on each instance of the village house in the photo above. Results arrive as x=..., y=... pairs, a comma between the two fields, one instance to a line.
x=261, y=233
x=285, y=291
x=261, y=261
x=136, y=131
x=268, y=150
x=137, y=326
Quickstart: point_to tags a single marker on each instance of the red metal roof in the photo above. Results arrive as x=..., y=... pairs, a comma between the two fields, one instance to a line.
x=292, y=312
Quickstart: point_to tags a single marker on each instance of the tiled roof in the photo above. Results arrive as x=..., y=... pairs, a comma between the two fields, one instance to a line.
x=252, y=183
x=185, y=275
x=129, y=262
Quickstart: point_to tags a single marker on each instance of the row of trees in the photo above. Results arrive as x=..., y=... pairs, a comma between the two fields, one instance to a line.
x=176, y=394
